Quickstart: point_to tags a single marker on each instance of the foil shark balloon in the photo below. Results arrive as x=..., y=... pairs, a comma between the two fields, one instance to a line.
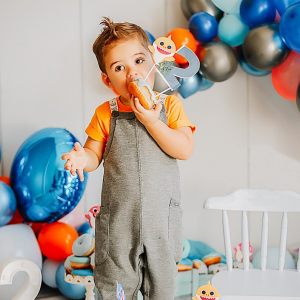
x=91, y=216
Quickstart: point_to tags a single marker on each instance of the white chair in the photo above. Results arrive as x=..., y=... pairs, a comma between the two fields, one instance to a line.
x=257, y=283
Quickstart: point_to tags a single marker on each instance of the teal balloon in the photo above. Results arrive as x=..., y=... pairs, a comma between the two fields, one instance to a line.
x=232, y=30
x=189, y=86
x=228, y=6
x=45, y=191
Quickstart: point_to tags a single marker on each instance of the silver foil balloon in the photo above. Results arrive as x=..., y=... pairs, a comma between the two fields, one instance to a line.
x=190, y=7
x=264, y=48
x=218, y=61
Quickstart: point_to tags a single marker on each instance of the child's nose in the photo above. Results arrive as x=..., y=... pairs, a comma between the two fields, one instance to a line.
x=132, y=73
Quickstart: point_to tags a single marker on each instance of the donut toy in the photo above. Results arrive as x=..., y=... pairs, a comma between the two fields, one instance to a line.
x=83, y=272
x=212, y=258
x=140, y=89
x=84, y=245
x=67, y=265
x=79, y=262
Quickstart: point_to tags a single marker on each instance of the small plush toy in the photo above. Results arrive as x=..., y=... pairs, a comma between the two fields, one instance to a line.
x=207, y=292
x=239, y=252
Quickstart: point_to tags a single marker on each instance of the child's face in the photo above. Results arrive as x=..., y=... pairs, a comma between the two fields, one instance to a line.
x=124, y=62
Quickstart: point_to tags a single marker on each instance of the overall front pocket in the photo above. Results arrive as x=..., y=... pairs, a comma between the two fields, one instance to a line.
x=175, y=230
x=102, y=235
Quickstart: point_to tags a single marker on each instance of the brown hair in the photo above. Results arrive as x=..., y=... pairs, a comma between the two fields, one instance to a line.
x=113, y=33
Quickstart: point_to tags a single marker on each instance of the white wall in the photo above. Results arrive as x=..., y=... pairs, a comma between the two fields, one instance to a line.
x=247, y=135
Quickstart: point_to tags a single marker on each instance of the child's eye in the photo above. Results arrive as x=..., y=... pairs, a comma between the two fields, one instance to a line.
x=139, y=61
x=119, y=68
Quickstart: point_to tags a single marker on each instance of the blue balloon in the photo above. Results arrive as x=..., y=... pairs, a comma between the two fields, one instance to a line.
x=282, y=5
x=190, y=85
x=205, y=84
x=150, y=36
x=203, y=26
x=45, y=191
x=257, y=12
x=289, y=27
x=73, y=291
x=84, y=228
x=247, y=67
x=8, y=203
x=232, y=30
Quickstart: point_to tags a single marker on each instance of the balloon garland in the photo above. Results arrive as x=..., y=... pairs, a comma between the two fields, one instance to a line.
x=262, y=36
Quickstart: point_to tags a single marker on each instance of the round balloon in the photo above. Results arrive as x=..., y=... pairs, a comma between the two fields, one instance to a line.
x=45, y=191
x=205, y=84
x=289, y=27
x=189, y=86
x=203, y=26
x=228, y=6
x=298, y=98
x=8, y=203
x=218, y=61
x=282, y=5
x=247, y=67
x=85, y=228
x=5, y=179
x=286, y=77
x=257, y=12
x=75, y=218
x=49, y=272
x=232, y=30
x=17, y=241
x=73, y=291
x=190, y=7
x=56, y=240
x=264, y=48
x=150, y=36
x=182, y=37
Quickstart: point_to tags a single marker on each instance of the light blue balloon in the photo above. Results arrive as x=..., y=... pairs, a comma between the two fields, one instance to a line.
x=232, y=30
x=205, y=84
x=73, y=291
x=45, y=191
x=190, y=85
x=228, y=6
x=8, y=203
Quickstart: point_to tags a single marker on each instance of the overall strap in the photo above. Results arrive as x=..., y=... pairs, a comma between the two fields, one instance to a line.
x=113, y=103
x=162, y=98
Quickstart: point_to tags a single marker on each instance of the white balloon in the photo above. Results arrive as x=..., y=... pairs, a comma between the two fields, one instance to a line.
x=49, y=271
x=17, y=240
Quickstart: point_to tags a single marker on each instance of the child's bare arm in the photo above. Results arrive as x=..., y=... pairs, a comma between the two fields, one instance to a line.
x=177, y=143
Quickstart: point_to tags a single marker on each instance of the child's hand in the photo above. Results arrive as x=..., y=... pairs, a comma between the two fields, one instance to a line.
x=76, y=160
x=145, y=116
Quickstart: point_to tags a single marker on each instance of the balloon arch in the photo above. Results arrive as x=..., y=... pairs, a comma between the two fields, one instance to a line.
x=262, y=36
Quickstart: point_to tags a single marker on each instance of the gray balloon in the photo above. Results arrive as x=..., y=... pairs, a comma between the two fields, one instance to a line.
x=190, y=7
x=298, y=97
x=160, y=85
x=218, y=61
x=264, y=48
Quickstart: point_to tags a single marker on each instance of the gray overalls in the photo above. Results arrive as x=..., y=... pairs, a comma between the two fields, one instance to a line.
x=138, y=230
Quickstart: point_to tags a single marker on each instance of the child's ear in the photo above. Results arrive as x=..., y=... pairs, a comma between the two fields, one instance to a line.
x=106, y=80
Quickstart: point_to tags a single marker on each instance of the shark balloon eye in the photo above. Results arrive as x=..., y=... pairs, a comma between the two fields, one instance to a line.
x=203, y=292
x=212, y=293
x=161, y=43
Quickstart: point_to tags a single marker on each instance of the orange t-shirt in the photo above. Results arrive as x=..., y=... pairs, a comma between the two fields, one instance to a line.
x=99, y=126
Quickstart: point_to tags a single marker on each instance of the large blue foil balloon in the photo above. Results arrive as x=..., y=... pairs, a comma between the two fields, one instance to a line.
x=257, y=12
x=282, y=5
x=203, y=26
x=45, y=191
x=247, y=67
x=8, y=203
x=289, y=27
x=190, y=85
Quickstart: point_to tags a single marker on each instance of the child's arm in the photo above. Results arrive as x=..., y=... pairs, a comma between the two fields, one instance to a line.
x=86, y=158
x=177, y=143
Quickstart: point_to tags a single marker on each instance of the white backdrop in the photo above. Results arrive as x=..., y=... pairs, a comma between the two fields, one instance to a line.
x=246, y=137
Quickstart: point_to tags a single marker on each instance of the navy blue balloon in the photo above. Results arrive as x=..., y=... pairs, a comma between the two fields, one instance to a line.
x=8, y=203
x=257, y=12
x=203, y=26
x=45, y=191
x=205, y=84
x=150, y=36
x=289, y=27
x=247, y=67
x=282, y=5
x=190, y=85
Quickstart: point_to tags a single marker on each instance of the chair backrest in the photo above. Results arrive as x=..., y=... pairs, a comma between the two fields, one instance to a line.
x=261, y=281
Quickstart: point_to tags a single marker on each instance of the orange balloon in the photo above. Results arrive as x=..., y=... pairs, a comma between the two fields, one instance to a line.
x=56, y=240
x=182, y=37
x=5, y=179
x=286, y=77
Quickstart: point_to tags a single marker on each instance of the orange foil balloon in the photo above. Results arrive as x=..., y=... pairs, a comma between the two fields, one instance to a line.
x=182, y=37
x=56, y=240
x=286, y=76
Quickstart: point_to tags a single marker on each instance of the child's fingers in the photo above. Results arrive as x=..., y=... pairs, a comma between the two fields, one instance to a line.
x=65, y=156
x=77, y=146
x=158, y=106
x=80, y=174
